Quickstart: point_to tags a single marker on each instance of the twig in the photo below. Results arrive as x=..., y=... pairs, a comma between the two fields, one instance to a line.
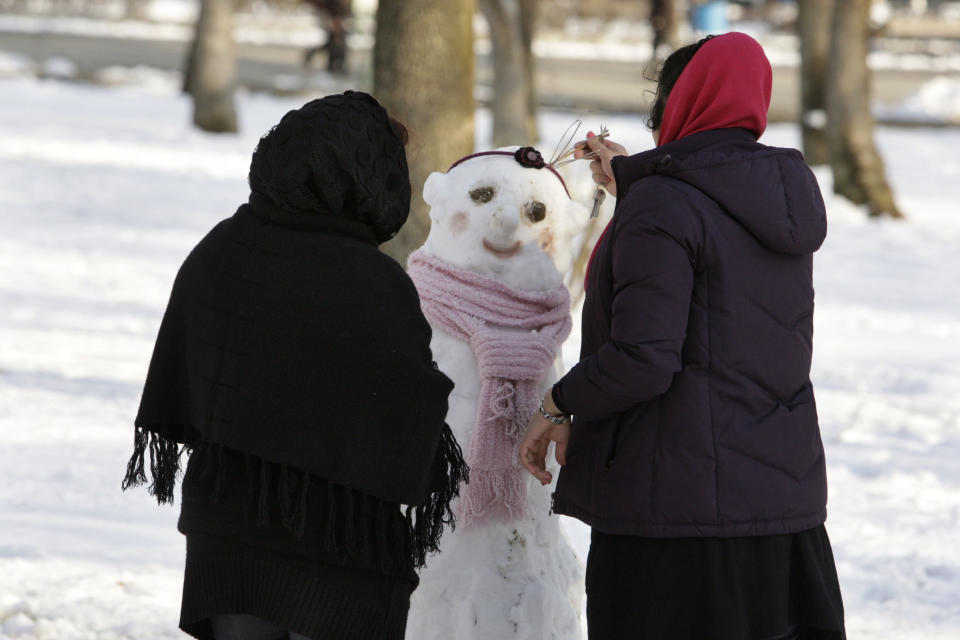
x=566, y=157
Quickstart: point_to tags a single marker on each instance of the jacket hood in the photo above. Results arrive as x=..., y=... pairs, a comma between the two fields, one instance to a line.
x=769, y=190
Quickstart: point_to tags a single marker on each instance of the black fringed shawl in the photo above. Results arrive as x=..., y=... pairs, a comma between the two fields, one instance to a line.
x=291, y=338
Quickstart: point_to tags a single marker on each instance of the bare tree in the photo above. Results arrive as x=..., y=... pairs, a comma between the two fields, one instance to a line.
x=510, y=99
x=529, y=10
x=210, y=77
x=423, y=74
x=136, y=9
x=665, y=20
x=858, y=171
x=814, y=24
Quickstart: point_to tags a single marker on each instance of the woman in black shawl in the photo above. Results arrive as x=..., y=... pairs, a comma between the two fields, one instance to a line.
x=293, y=365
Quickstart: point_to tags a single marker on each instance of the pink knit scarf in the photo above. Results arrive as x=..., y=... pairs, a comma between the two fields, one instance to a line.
x=514, y=335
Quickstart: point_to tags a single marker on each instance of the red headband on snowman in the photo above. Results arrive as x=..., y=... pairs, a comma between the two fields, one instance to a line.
x=527, y=157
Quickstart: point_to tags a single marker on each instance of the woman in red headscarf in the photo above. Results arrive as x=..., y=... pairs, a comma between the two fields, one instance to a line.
x=694, y=451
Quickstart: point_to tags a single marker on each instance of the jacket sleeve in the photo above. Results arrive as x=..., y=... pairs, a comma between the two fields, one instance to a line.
x=655, y=247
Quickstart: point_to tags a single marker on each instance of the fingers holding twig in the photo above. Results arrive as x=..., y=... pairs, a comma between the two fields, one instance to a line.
x=584, y=148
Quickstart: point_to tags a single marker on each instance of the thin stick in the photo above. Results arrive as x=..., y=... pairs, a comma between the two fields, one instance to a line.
x=565, y=157
x=560, y=151
x=562, y=163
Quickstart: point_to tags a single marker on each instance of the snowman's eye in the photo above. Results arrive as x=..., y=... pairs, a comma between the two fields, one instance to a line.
x=536, y=211
x=482, y=195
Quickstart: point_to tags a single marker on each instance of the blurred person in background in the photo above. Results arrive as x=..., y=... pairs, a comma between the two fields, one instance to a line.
x=293, y=363
x=695, y=452
x=333, y=14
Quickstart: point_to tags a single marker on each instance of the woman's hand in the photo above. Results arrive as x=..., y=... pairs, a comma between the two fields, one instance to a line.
x=540, y=432
x=603, y=152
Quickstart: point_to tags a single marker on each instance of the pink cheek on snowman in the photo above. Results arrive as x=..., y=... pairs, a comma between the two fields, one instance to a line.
x=546, y=239
x=459, y=223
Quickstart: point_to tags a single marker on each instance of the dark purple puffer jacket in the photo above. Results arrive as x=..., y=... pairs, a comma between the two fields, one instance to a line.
x=693, y=409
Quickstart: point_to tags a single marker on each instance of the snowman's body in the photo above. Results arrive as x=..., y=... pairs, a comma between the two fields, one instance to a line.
x=515, y=580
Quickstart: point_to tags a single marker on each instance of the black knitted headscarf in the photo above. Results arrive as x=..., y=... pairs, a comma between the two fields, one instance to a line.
x=336, y=162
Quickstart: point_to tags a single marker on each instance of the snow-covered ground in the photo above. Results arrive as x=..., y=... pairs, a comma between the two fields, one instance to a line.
x=936, y=101
x=103, y=192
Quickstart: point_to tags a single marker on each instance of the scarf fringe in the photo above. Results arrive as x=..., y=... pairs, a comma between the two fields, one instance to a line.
x=500, y=496
x=426, y=521
x=348, y=511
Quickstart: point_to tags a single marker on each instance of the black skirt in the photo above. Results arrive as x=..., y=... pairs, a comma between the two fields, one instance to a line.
x=780, y=587
x=327, y=582
x=319, y=600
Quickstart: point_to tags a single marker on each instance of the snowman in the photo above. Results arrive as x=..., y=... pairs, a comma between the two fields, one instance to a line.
x=490, y=277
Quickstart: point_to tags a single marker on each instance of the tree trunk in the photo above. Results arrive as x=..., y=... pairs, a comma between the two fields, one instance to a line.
x=509, y=92
x=858, y=172
x=210, y=78
x=814, y=24
x=528, y=29
x=665, y=20
x=136, y=10
x=191, y=62
x=423, y=74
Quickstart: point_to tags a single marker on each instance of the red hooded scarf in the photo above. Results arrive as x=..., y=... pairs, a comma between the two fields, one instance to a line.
x=726, y=84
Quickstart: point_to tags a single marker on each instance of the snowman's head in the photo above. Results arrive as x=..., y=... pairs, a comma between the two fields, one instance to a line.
x=497, y=217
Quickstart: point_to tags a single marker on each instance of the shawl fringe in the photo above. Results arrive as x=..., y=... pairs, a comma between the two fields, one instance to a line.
x=345, y=525
x=164, y=464
x=426, y=521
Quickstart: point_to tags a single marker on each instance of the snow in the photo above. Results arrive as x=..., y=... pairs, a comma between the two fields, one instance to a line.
x=173, y=10
x=106, y=189
x=60, y=68
x=816, y=118
x=295, y=31
x=936, y=101
x=94, y=27
x=145, y=78
x=15, y=64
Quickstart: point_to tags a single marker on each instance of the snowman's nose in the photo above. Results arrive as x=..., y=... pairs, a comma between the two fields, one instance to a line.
x=505, y=221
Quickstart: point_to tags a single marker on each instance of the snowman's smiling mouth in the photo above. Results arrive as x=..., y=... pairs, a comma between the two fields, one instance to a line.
x=501, y=252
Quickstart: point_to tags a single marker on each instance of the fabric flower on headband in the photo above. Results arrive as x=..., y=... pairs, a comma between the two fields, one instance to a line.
x=529, y=157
